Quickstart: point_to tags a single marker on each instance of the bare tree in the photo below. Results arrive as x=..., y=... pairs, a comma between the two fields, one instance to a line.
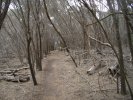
x=4, y=5
x=27, y=31
x=121, y=63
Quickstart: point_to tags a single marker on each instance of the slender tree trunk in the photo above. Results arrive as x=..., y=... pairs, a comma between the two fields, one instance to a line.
x=40, y=49
x=121, y=62
x=3, y=12
x=30, y=63
x=28, y=37
x=129, y=35
x=85, y=38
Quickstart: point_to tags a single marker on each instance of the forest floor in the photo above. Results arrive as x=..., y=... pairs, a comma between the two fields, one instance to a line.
x=61, y=80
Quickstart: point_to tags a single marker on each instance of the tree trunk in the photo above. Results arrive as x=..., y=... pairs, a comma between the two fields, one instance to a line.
x=121, y=63
x=28, y=38
x=4, y=11
x=29, y=61
x=125, y=11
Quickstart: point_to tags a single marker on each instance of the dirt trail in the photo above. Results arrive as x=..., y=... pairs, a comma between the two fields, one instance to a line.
x=58, y=74
x=53, y=86
x=58, y=81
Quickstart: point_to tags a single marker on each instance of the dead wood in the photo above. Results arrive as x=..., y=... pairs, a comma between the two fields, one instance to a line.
x=12, y=71
x=96, y=67
x=19, y=78
x=14, y=75
x=106, y=44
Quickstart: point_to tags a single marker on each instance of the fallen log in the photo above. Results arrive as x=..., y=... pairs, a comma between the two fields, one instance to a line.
x=13, y=70
x=15, y=75
x=91, y=70
x=22, y=78
x=96, y=67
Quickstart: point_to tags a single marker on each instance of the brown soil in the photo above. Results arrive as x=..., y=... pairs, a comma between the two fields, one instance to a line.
x=60, y=80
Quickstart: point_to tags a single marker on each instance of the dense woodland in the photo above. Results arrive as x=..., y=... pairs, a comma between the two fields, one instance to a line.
x=31, y=29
